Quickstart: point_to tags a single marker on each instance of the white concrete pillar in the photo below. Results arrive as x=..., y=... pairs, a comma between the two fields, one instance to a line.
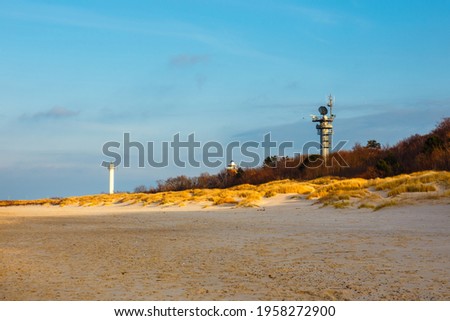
x=111, y=178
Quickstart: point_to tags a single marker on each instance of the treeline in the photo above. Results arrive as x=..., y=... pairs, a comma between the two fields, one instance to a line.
x=416, y=153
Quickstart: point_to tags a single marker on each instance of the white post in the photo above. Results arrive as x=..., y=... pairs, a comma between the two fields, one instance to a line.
x=111, y=178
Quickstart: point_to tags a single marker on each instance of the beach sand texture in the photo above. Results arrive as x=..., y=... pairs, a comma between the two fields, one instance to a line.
x=284, y=250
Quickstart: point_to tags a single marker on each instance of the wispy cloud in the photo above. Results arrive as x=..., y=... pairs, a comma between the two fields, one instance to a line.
x=323, y=16
x=316, y=15
x=53, y=113
x=185, y=60
x=76, y=17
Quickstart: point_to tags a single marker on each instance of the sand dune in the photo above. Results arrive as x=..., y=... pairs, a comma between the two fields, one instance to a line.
x=284, y=250
x=329, y=191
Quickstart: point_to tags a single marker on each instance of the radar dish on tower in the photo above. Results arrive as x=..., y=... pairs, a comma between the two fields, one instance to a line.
x=323, y=110
x=325, y=127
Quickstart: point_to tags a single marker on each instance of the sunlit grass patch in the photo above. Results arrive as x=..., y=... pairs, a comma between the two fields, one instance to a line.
x=324, y=180
x=431, y=177
x=385, y=204
x=198, y=192
x=45, y=201
x=247, y=203
x=351, y=187
x=225, y=197
x=341, y=204
x=70, y=201
x=225, y=200
x=270, y=193
x=381, y=184
x=243, y=187
x=349, y=184
x=337, y=191
x=390, y=183
x=172, y=198
x=411, y=188
x=285, y=187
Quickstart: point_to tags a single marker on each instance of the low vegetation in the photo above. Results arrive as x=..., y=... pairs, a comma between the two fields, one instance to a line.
x=329, y=191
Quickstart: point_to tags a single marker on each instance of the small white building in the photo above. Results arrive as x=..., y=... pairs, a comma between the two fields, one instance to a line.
x=232, y=167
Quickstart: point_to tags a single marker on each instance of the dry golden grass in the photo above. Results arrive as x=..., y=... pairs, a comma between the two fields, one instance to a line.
x=426, y=177
x=411, y=188
x=366, y=205
x=341, y=204
x=385, y=204
x=352, y=186
x=285, y=187
x=44, y=201
x=333, y=191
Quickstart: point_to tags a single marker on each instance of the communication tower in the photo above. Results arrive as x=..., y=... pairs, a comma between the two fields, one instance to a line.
x=325, y=127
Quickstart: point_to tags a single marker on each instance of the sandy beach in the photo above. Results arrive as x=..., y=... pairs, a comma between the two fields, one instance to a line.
x=284, y=250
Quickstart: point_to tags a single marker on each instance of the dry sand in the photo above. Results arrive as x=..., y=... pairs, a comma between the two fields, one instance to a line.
x=284, y=250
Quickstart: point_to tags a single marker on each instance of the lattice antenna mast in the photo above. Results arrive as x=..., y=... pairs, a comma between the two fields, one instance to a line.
x=325, y=127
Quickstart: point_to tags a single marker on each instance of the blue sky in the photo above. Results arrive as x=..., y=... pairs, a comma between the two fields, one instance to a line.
x=76, y=74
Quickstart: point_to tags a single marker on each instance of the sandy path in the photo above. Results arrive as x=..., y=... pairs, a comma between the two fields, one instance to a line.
x=293, y=251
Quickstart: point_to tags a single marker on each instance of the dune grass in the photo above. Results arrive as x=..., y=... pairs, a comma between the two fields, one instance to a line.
x=411, y=188
x=44, y=202
x=328, y=191
x=385, y=204
x=426, y=177
x=366, y=205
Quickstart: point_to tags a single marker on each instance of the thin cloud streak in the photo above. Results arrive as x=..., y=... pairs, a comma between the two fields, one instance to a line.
x=74, y=17
x=185, y=60
x=53, y=113
x=316, y=15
